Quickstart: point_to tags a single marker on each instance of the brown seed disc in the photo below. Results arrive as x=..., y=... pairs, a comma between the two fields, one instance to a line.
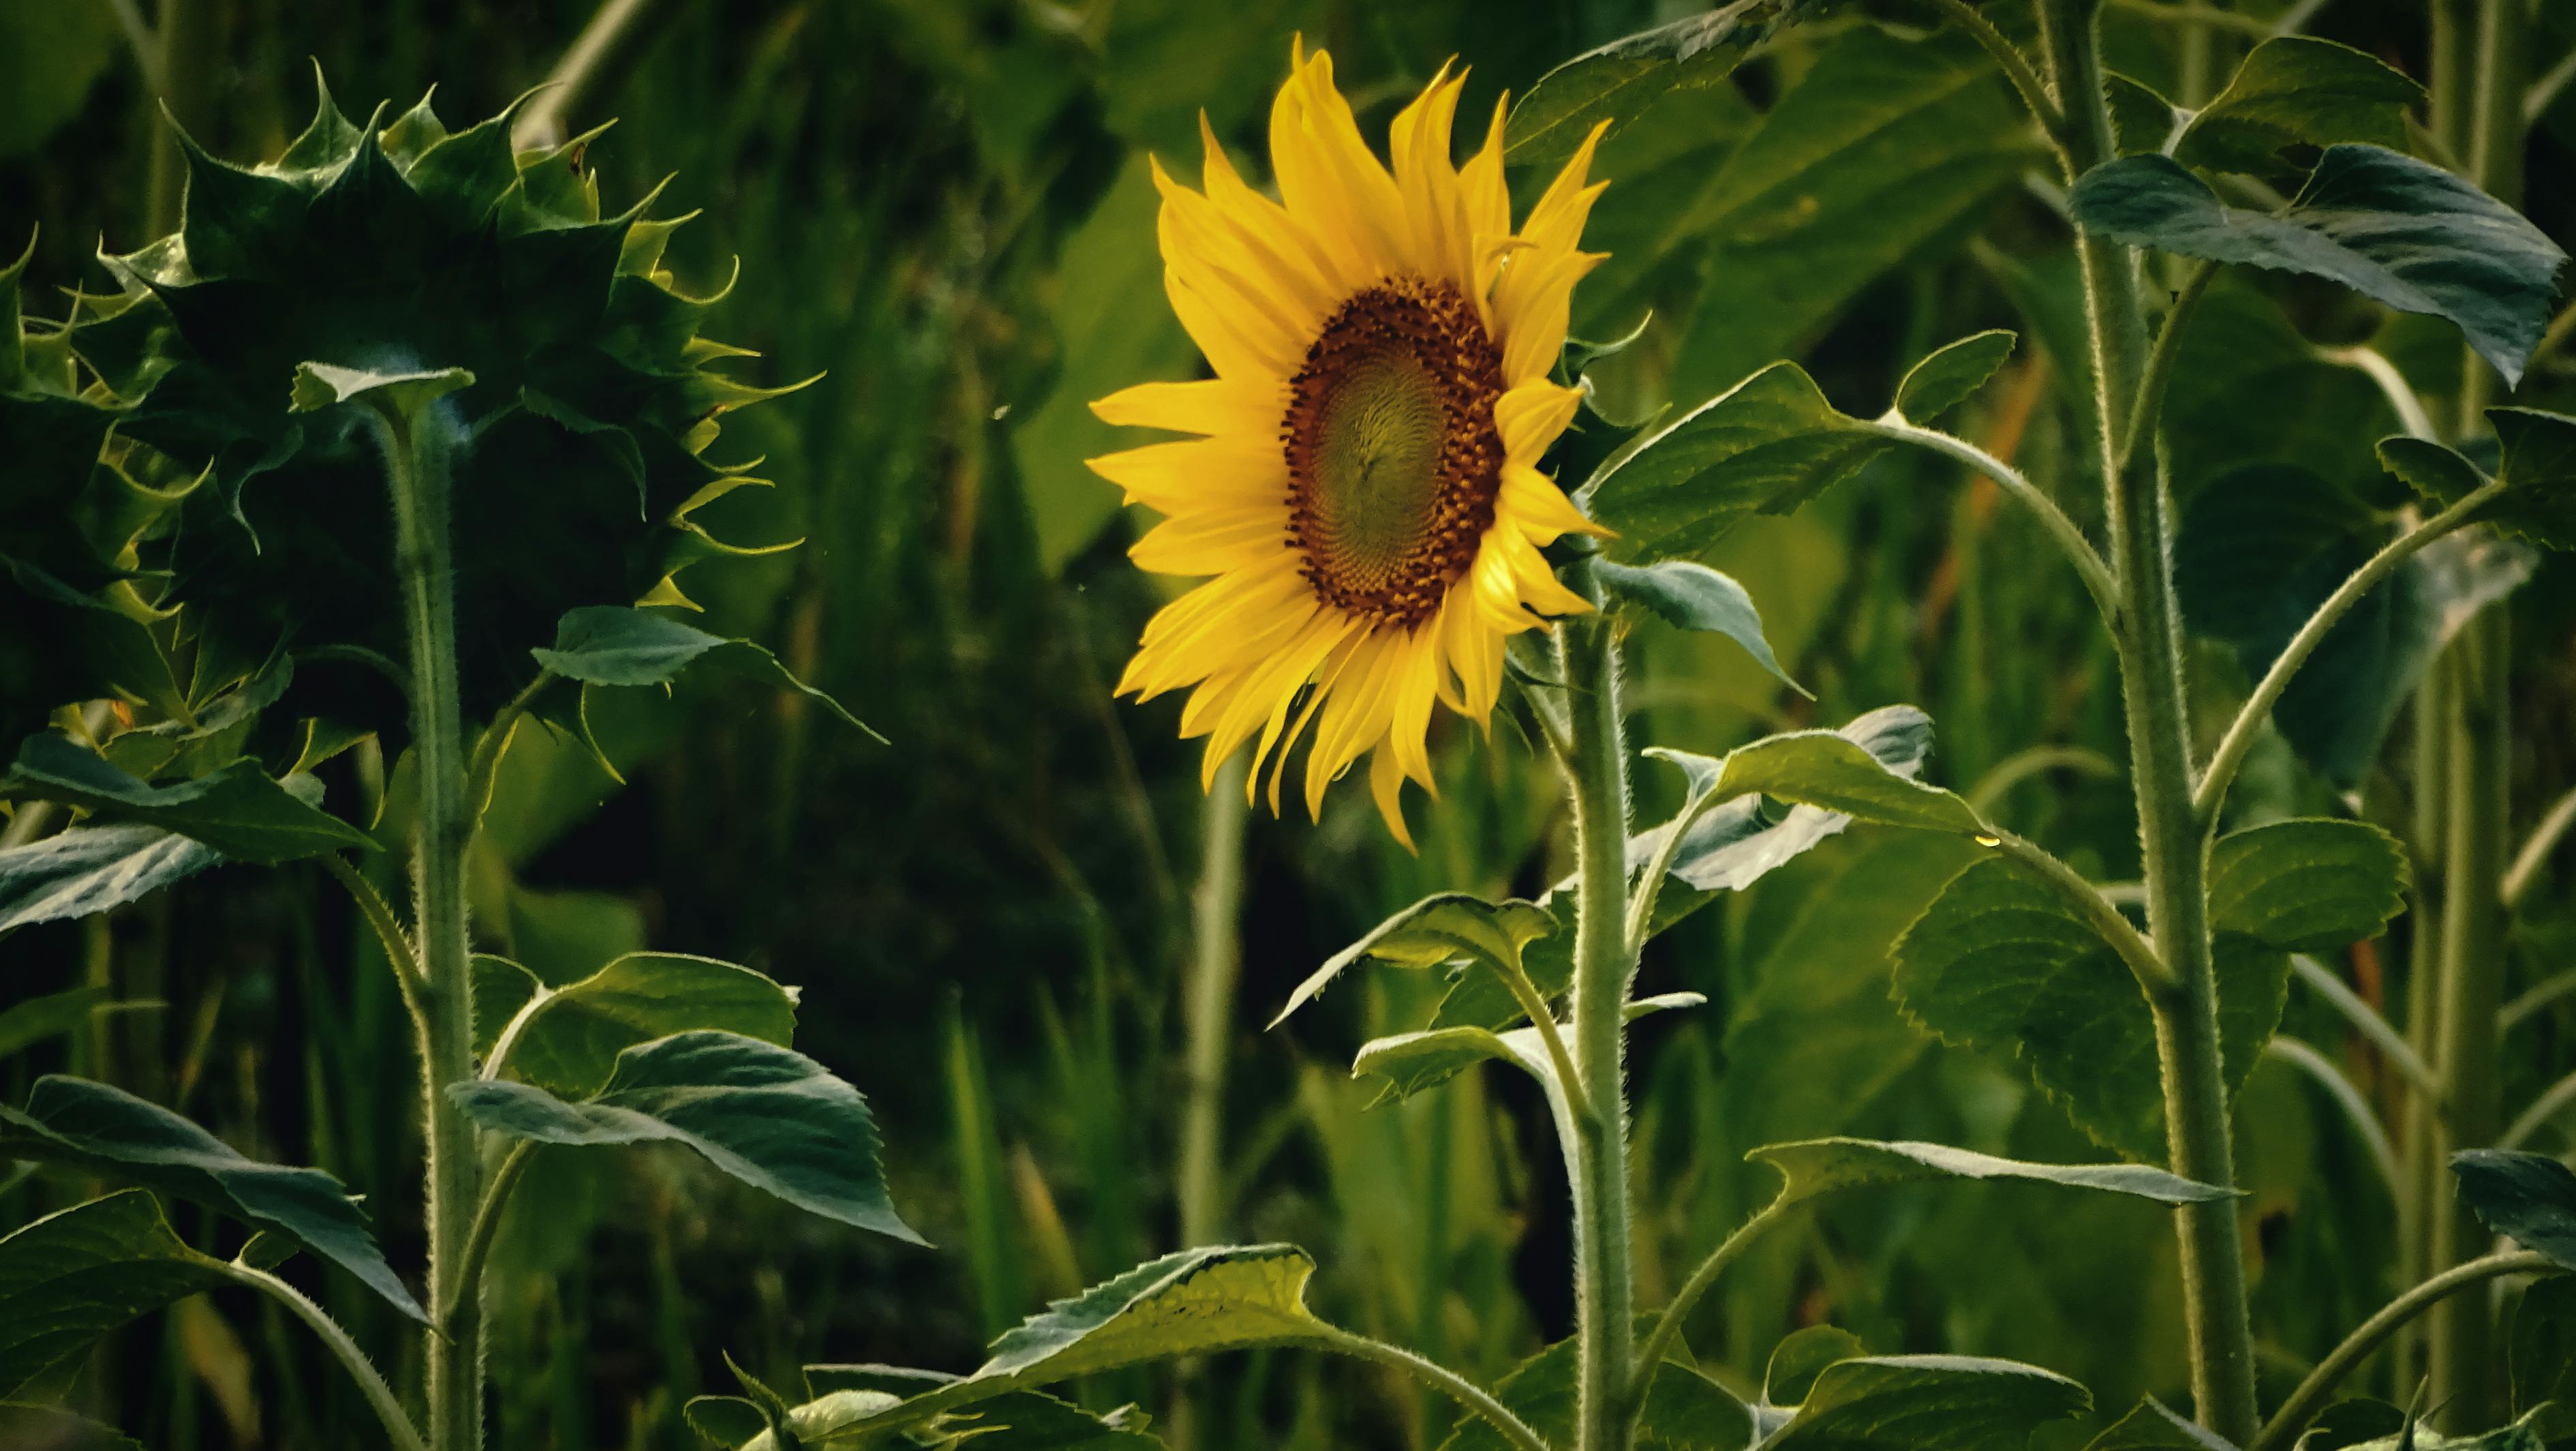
x=1394, y=461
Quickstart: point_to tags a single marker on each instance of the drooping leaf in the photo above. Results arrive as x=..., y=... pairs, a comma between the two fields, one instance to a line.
x=2530, y=1197
x=2306, y=885
x=769, y=1116
x=1766, y=445
x=1830, y=771
x=1950, y=375
x=2295, y=90
x=1696, y=597
x=75, y=1275
x=1440, y=928
x=1613, y=85
x=89, y=869
x=56, y=1429
x=615, y=645
x=1928, y=1403
x=566, y=1040
x=1825, y=1166
x=2538, y=469
x=2401, y=231
x=2149, y=1426
x=1800, y=1357
x=109, y=1131
x=1684, y=1411
x=239, y=811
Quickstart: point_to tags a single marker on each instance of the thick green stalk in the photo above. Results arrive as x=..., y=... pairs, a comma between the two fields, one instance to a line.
x=1208, y=999
x=2424, y=1177
x=2171, y=833
x=1597, y=776
x=416, y=468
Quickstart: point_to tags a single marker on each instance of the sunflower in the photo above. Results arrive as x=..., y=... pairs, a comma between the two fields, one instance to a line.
x=1363, y=488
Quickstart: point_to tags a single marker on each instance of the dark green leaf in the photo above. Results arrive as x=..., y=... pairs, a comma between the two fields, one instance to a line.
x=1928, y=1403
x=1949, y=376
x=2538, y=468
x=2530, y=1197
x=566, y=1040
x=1800, y=1357
x=614, y=645
x=2294, y=90
x=1825, y=1166
x=1613, y=85
x=2401, y=231
x=1034, y=1421
x=239, y=811
x=109, y=1131
x=2142, y=120
x=1696, y=597
x=2150, y=1427
x=729, y=1421
x=1440, y=928
x=54, y=1429
x=89, y=869
x=1766, y=445
x=73, y=1276
x=2523, y=1435
x=766, y=1115
x=2306, y=885
x=899, y=1381
x=2542, y=1348
x=1684, y=1411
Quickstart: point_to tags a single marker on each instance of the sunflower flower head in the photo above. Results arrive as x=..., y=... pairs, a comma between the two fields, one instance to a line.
x=1361, y=491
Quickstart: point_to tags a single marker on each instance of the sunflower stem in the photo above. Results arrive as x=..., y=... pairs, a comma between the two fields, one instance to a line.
x=1597, y=781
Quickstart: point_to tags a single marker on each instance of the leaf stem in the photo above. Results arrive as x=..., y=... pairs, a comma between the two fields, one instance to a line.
x=2070, y=540
x=2536, y=848
x=463, y=1309
x=1597, y=780
x=2015, y=66
x=2552, y=1102
x=2304, y=1402
x=612, y=34
x=1543, y=1019
x=1669, y=1324
x=485, y=768
x=2223, y=763
x=2155, y=976
x=2356, y=1111
x=380, y=1396
x=1431, y=1373
x=2150, y=402
x=2383, y=1036
x=379, y=914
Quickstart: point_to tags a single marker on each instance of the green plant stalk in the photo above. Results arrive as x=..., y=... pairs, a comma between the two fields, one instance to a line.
x=2172, y=834
x=416, y=470
x=1216, y=957
x=2423, y=1172
x=380, y=1396
x=183, y=68
x=1596, y=767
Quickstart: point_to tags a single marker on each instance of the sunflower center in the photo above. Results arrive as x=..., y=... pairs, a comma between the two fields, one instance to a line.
x=1393, y=458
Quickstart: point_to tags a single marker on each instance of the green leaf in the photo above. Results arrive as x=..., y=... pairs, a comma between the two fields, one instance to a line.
x=2293, y=90
x=89, y=869
x=1613, y=85
x=2530, y=1197
x=1767, y=445
x=1800, y=1357
x=73, y=1276
x=2151, y=1427
x=1696, y=597
x=1830, y=771
x=56, y=1429
x=239, y=811
x=2399, y=230
x=399, y=395
x=2141, y=118
x=2542, y=1346
x=769, y=1116
x=109, y=1131
x=566, y=1040
x=1408, y=1063
x=1684, y=1410
x=729, y=1421
x=1034, y=1421
x=2538, y=468
x=1950, y=375
x=615, y=645
x=26, y=1024
x=1826, y=1166
x=1928, y=1403
x=2523, y=1435
x=1998, y=965
x=1440, y=928
x=2307, y=885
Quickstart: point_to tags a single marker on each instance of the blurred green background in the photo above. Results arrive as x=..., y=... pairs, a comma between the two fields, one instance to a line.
x=942, y=207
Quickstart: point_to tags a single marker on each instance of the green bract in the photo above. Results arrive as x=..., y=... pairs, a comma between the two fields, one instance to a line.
x=577, y=412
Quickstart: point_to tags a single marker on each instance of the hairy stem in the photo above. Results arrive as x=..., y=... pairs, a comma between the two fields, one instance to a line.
x=2062, y=531
x=1597, y=778
x=463, y=1309
x=1439, y=1377
x=1669, y=1324
x=380, y=1396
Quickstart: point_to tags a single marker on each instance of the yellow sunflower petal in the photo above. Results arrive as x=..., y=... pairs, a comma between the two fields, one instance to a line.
x=1229, y=469
x=1354, y=717
x=1530, y=416
x=1434, y=208
x=1211, y=541
x=1533, y=503
x=1208, y=406
x=1270, y=230
x=1386, y=785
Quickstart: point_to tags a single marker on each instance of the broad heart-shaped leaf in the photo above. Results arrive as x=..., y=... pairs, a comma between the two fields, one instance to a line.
x=2395, y=229
x=1950, y=375
x=89, y=869
x=1440, y=928
x=109, y=1131
x=566, y=1040
x=1684, y=1410
x=1997, y=964
x=1765, y=446
x=1408, y=1063
x=2293, y=90
x=1927, y=1403
x=2538, y=468
x=615, y=645
x=2542, y=1347
x=1825, y=1166
x=1800, y=1357
x=769, y=1116
x=2307, y=885
x=239, y=811
x=2263, y=545
x=2531, y=1197
x=2151, y=1427
x=1612, y=85
x=71, y=1277
x=1695, y=597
